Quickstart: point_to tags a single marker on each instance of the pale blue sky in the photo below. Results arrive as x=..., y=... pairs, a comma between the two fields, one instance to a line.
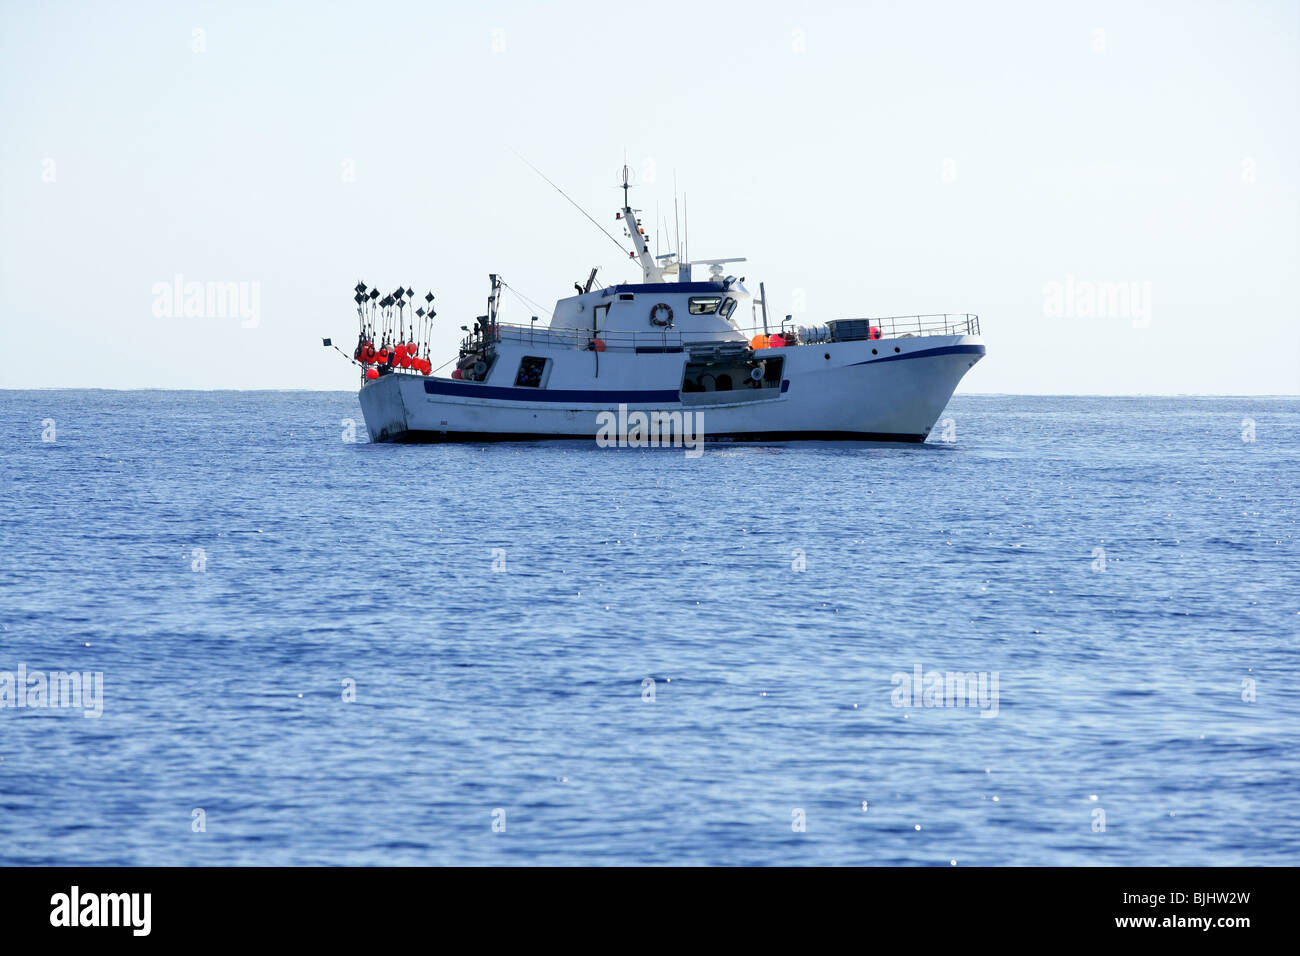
x=868, y=159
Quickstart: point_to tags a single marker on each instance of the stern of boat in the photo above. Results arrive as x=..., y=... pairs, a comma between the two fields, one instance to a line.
x=383, y=408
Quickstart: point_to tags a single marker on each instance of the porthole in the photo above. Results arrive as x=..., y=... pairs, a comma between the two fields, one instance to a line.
x=874, y=352
x=895, y=348
x=828, y=356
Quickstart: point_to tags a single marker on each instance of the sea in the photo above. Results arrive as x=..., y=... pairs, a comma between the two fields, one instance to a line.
x=1064, y=631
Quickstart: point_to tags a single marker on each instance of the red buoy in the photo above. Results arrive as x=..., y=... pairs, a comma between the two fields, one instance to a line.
x=598, y=345
x=776, y=341
x=455, y=373
x=874, y=332
x=372, y=373
x=412, y=349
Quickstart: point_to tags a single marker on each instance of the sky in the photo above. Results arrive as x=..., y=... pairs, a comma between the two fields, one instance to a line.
x=1112, y=187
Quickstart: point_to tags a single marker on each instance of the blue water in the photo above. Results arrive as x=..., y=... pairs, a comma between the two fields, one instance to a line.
x=522, y=690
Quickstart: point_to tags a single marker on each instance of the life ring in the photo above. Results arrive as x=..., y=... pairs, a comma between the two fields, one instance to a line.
x=654, y=314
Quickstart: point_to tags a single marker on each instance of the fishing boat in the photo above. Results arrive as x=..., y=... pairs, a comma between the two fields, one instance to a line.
x=647, y=356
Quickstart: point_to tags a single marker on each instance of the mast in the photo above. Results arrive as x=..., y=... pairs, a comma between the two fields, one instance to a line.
x=651, y=270
x=494, y=303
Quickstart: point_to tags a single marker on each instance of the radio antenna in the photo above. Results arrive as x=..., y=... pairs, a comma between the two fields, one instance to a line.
x=677, y=222
x=686, y=216
x=575, y=205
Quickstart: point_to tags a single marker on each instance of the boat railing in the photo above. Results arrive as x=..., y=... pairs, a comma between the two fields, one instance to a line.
x=901, y=326
x=582, y=338
x=835, y=330
x=946, y=323
x=876, y=327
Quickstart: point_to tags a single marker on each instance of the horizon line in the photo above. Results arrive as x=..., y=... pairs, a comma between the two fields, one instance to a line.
x=156, y=388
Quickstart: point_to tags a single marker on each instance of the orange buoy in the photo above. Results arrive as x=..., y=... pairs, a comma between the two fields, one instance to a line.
x=776, y=341
x=758, y=342
x=372, y=373
x=598, y=345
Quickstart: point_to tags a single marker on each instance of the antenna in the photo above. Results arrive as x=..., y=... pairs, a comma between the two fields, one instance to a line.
x=576, y=206
x=677, y=223
x=686, y=218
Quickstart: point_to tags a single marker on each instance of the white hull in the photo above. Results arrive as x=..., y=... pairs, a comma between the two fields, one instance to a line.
x=831, y=391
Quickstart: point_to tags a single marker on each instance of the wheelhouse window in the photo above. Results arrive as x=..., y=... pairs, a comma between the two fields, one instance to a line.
x=704, y=304
x=727, y=308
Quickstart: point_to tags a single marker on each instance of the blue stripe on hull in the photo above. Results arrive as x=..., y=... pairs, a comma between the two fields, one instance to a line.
x=928, y=353
x=576, y=396
x=580, y=396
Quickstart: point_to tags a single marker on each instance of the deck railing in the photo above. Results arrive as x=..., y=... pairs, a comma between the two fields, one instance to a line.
x=581, y=338
x=890, y=327
x=942, y=323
